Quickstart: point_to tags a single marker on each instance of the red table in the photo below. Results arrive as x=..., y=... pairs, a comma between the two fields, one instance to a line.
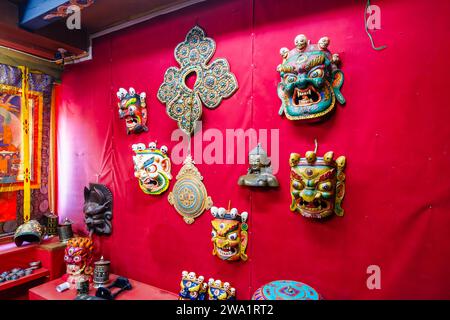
x=140, y=291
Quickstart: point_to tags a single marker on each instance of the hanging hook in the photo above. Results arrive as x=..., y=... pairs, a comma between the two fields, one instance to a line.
x=367, y=30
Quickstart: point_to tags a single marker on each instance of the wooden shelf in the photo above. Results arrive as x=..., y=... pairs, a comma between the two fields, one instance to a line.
x=38, y=273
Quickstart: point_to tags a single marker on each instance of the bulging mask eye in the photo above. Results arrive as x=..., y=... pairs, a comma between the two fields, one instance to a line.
x=290, y=79
x=232, y=236
x=297, y=185
x=318, y=73
x=213, y=234
x=326, y=186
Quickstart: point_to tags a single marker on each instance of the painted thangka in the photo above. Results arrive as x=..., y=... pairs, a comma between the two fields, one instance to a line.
x=11, y=171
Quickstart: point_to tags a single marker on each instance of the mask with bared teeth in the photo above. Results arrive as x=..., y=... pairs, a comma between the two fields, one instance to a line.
x=229, y=234
x=310, y=80
x=317, y=184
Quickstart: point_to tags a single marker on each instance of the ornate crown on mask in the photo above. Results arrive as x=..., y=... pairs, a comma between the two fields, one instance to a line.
x=310, y=80
x=317, y=184
x=222, y=213
x=220, y=291
x=140, y=148
x=79, y=251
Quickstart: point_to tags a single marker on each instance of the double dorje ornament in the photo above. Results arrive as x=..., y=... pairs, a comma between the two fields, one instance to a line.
x=214, y=80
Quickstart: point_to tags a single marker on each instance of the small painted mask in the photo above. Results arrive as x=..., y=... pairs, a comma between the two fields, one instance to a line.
x=229, y=234
x=220, y=291
x=152, y=168
x=133, y=108
x=192, y=287
x=310, y=80
x=317, y=184
x=78, y=258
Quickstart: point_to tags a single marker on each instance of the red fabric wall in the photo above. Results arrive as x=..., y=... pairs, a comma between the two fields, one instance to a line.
x=394, y=131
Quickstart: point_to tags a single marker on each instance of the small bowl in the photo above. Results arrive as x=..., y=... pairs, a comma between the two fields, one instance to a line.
x=35, y=264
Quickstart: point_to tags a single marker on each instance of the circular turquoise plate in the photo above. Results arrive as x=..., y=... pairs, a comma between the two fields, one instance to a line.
x=286, y=290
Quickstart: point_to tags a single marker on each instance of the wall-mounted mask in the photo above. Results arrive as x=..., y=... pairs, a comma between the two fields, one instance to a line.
x=133, y=108
x=229, y=234
x=97, y=209
x=259, y=173
x=310, y=80
x=78, y=259
x=214, y=80
x=192, y=287
x=220, y=291
x=189, y=196
x=152, y=167
x=317, y=184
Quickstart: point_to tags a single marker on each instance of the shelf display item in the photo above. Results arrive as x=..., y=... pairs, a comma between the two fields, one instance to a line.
x=310, y=80
x=51, y=224
x=106, y=293
x=31, y=231
x=65, y=231
x=192, y=287
x=220, y=291
x=259, y=173
x=152, y=168
x=133, y=109
x=78, y=259
x=229, y=234
x=214, y=80
x=97, y=209
x=189, y=196
x=15, y=274
x=101, y=272
x=286, y=290
x=317, y=184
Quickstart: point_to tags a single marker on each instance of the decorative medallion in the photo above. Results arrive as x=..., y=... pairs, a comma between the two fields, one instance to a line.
x=189, y=195
x=285, y=290
x=152, y=167
x=317, y=184
x=214, y=81
x=311, y=80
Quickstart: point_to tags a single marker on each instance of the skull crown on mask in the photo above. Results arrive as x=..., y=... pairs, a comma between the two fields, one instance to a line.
x=310, y=80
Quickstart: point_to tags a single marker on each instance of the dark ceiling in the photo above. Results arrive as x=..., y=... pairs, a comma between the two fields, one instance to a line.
x=101, y=15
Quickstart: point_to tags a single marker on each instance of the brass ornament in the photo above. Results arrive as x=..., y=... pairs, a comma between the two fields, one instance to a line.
x=189, y=196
